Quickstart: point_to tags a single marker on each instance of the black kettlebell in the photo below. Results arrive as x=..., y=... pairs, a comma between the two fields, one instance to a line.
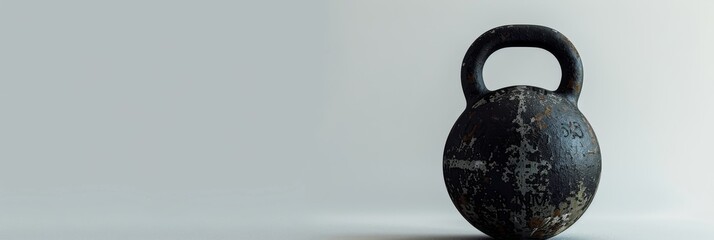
x=522, y=162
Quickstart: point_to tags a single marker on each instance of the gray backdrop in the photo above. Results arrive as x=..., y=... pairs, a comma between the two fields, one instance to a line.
x=327, y=120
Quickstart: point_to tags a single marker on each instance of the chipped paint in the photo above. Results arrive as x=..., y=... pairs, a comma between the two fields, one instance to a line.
x=466, y=165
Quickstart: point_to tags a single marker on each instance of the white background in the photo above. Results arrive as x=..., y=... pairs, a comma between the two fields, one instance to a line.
x=327, y=120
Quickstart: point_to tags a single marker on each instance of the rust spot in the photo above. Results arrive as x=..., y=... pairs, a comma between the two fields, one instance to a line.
x=556, y=213
x=470, y=133
x=462, y=200
x=574, y=86
x=539, y=118
x=535, y=222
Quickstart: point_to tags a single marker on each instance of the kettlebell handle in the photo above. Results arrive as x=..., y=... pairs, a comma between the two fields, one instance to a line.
x=522, y=36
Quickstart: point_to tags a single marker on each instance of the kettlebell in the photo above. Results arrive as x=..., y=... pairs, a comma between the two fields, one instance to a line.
x=522, y=162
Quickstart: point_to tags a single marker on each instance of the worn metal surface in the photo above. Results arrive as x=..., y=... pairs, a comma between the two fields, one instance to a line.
x=522, y=162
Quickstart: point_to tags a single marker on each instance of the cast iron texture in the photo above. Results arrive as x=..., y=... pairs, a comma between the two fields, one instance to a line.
x=522, y=162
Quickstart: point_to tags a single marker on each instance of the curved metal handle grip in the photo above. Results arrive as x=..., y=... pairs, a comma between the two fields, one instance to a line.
x=522, y=36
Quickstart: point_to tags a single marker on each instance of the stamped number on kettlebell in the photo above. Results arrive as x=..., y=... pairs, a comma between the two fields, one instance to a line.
x=572, y=129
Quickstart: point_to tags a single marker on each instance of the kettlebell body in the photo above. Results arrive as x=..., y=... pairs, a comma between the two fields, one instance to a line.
x=522, y=162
